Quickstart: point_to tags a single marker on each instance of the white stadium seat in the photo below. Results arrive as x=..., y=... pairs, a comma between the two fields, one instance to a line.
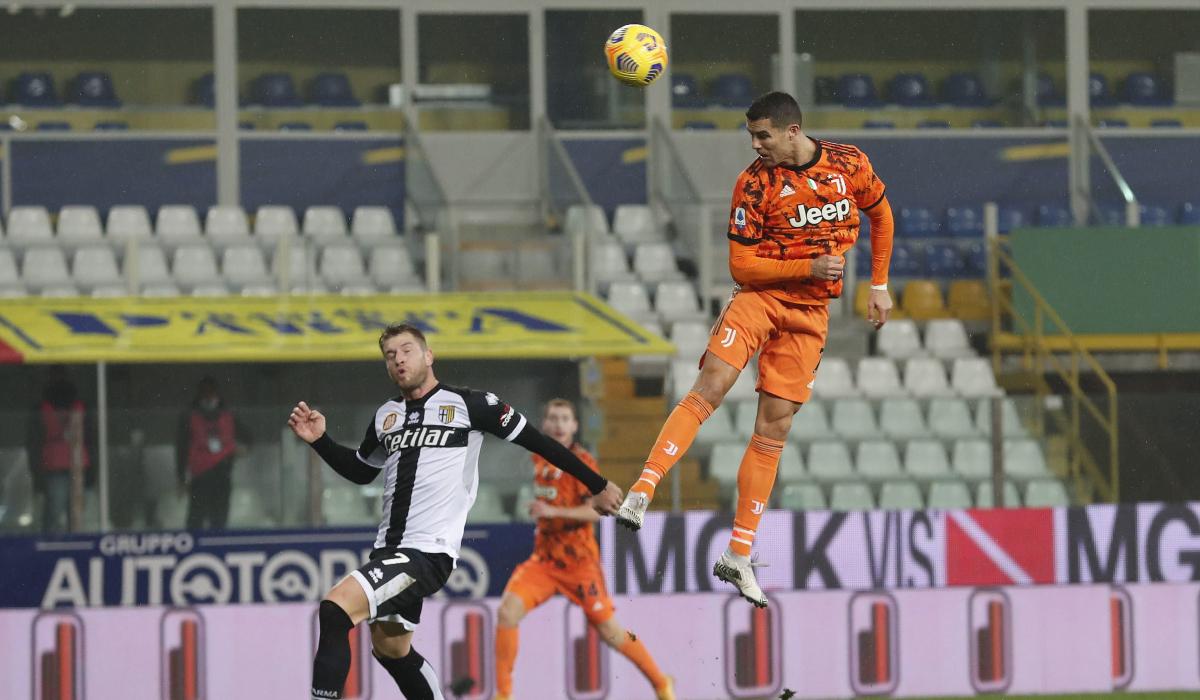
x=1023, y=459
x=147, y=266
x=834, y=380
x=631, y=299
x=900, y=495
x=878, y=378
x=925, y=377
x=390, y=267
x=45, y=268
x=676, y=301
x=984, y=495
x=724, y=461
x=653, y=262
x=854, y=419
x=29, y=226
x=810, y=423
x=718, y=428
x=10, y=278
x=851, y=496
x=634, y=223
x=744, y=414
x=690, y=338
x=899, y=339
x=949, y=495
x=972, y=459
x=324, y=221
x=59, y=291
x=950, y=419
x=830, y=461
x=791, y=464
x=681, y=378
x=743, y=389
x=877, y=459
x=371, y=225
x=226, y=220
x=127, y=221
x=178, y=226
x=1046, y=493
x=300, y=266
x=194, y=266
x=585, y=219
x=342, y=265
x=609, y=264
x=272, y=222
x=95, y=267
x=926, y=459
x=243, y=267
x=973, y=377
x=946, y=338
x=1010, y=421
x=802, y=496
x=902, y=419
x=79, y=226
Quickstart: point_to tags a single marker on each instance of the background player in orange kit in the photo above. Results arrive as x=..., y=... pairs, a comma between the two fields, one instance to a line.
x=794, y=215
x=566, y=560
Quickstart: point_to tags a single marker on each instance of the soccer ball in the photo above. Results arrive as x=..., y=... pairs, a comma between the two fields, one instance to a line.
x=637, y=54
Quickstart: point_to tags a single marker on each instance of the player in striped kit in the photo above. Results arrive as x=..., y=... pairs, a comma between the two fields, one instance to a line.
x=426, y=442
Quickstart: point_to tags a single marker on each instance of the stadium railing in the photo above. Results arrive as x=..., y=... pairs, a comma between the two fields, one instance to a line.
x=672, y=188
x=561, y=188
x=1062, y=358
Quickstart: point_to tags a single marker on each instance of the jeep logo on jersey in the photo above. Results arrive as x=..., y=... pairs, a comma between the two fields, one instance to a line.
x=811, y=216
x=425, y=436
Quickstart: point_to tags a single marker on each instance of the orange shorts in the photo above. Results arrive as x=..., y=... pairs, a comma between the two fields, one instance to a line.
x=535, y=581
x=791, y=337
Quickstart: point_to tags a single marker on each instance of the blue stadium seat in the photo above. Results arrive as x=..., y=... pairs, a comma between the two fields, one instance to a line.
x=943, y=260
x=1053, y=215
x=964, y=221
x=351, y=126
x=94, y=89
x=295, y=126
x=275, y=90
x=332, y=90
x=824, y=90
x=987, y=124
x=1166, y=123
x=975, y=260
x=879, y=124
x=54, y=126
x=685, y=92
x=1144, y=89
x=1010, y=218
x=1098, y=93
x=857, y=90
x=700, y=125
x=1112, y=123
x=35, y=90
x=910, y=90
x=111, y=126
x=964, y=90
x=733, y=90
x=1046, y=93
x=1055, y=123
x=906, y=260
x=933, y=124
x=1154, y=215
x=1189, y=214
x=916, y=222
x=203, y=92
x=1110, y=214
x=5, y=126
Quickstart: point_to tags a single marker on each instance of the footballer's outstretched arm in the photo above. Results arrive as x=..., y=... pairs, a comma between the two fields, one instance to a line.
x=607, y=495
x=309, y=425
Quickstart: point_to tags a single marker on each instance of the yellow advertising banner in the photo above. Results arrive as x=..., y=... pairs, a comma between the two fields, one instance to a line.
x=511, y=325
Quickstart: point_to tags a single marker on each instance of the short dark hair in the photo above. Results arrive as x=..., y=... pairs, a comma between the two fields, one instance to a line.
x=559, y=403
x=780, y=107
x=396, y=329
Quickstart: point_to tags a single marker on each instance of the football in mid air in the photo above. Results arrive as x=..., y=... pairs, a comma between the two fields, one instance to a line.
x=636, y=54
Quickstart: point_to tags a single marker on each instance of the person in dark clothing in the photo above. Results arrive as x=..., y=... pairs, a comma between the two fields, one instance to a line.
x=205, y=446
x=59, y=434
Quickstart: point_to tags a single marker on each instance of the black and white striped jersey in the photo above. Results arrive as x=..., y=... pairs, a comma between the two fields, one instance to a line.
x=429, y=451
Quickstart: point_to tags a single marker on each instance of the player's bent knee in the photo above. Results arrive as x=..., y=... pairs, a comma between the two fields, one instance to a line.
x=351, y=598
x=390, y=640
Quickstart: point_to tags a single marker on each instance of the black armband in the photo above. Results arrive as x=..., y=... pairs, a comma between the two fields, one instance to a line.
x=344, y=460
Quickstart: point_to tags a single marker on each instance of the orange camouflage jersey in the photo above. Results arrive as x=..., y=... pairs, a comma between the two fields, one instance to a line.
x=561, y=541
x=800, y=212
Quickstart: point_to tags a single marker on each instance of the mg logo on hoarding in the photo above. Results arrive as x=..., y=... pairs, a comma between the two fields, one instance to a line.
x=1120, y=606
x=467, y=648
x=753, y=649
x=874, y=652
x=358, y=681
x=587, y=658
x=58, y=656
x=181, y=651
x=989, y=623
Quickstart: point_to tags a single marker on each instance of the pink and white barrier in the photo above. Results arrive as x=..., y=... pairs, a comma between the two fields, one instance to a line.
x=954, y=641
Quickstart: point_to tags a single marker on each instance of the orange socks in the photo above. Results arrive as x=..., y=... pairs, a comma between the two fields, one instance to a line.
x=673, y=440
x=635, y=651
x=506, y=657
x=756, y=478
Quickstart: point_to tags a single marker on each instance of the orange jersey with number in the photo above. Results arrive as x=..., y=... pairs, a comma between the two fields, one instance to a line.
x=801, y=212
x=562, y=541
